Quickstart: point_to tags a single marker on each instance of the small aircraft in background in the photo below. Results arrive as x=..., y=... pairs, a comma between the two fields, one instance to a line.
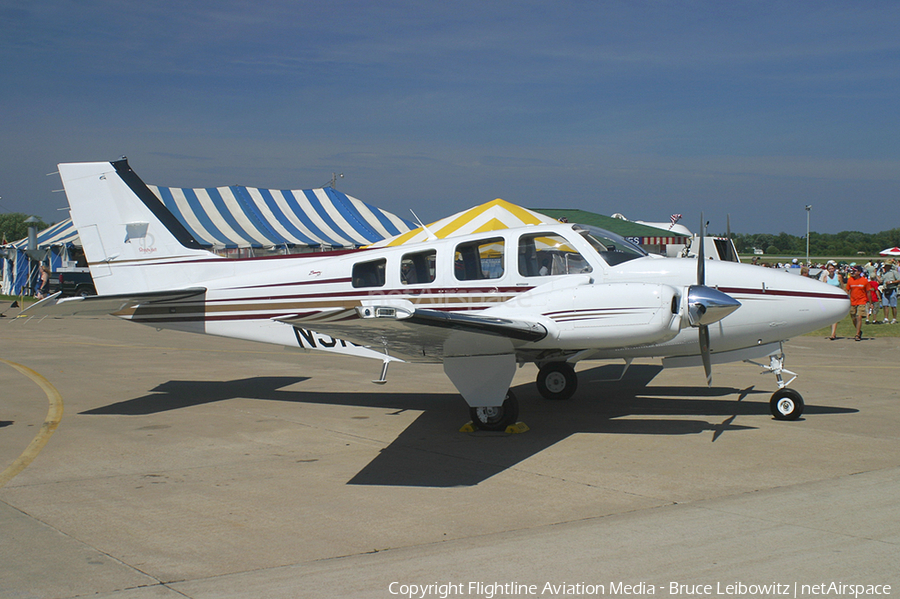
x=481, y=304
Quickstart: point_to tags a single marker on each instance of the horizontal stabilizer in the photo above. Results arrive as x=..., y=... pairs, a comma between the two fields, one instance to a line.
x=98, y=305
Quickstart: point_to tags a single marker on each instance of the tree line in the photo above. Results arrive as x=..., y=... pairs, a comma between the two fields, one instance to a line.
x=13, y=226
x=845, y=243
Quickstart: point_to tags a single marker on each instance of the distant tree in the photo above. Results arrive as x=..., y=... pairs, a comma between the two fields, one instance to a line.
x=845, y=243
x=13, y=226
x=787, y=243
x=742, y=243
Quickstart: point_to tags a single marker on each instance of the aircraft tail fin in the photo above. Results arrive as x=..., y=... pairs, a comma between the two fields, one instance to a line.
x=132, y=241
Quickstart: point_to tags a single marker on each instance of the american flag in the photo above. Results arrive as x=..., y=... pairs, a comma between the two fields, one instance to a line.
x=674, y=218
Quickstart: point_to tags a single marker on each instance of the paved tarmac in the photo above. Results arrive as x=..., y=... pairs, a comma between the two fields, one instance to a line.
x=173, y=465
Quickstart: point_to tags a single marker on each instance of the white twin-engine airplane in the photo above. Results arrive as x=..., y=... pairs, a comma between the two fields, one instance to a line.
x=481, y=304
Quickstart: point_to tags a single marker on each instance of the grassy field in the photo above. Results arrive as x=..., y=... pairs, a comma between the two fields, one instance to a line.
x=772, y=258
x=14, y=298
x=847, y=329
x=8, y=299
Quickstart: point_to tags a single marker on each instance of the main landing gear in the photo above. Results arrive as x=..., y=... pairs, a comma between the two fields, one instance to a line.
x=557, y=381
x=496, y=418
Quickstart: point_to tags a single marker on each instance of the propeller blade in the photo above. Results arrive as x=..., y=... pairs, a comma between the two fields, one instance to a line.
x=701, y=257
x=705, y=299
x=704, y=354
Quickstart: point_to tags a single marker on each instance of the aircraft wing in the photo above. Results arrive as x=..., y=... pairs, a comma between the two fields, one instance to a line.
x=423, y=335
x=98, y=305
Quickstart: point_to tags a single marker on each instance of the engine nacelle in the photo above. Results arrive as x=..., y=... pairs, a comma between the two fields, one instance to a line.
x=605, y=315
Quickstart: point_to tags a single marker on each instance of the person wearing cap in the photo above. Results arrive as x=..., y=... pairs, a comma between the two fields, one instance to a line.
x=857, y=287
x=832, y=277
x=889, y=280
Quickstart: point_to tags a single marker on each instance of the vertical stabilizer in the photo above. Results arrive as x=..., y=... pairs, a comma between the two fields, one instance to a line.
x=132, y=242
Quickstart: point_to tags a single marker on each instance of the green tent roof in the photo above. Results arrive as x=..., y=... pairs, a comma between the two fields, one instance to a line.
x=621, y=227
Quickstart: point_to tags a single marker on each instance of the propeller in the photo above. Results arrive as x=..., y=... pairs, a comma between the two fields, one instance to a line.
x=732, y=251
x=701, y=282
x=706, y=305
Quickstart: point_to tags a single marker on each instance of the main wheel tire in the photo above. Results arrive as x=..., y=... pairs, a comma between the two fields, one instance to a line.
x=557, y=381
x=496, y=418
x=786, y=404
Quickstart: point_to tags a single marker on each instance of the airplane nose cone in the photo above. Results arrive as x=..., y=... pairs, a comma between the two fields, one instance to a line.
x=832, y=303
x=808, y=304
x=707, y=305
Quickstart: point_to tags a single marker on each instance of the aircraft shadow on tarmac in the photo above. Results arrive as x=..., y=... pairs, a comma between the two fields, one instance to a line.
x=432, y=453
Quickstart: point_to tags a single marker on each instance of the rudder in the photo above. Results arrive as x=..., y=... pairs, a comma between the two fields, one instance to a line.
x=125, y=229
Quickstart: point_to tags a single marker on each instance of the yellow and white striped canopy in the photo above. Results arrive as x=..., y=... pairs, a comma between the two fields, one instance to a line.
x=491, y=216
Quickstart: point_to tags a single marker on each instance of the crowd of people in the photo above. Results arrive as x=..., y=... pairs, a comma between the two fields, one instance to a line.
x=872, y=288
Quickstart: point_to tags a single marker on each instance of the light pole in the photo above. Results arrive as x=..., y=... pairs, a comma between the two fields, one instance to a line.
x=808, y=207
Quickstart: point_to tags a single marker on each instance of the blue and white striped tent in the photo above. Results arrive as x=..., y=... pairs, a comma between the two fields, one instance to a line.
x=61, y=234
x=235, y=218
x=19, y=271
x=241, y=217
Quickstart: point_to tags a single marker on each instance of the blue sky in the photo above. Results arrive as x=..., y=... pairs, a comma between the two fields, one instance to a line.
x=751, y=109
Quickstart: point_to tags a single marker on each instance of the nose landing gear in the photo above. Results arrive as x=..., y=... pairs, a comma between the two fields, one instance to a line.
x=785, y=404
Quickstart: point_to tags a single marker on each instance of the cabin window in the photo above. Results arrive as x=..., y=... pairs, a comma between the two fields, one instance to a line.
x=476, y=260
x=546, y=254
x=369, y=274
x=417, y=268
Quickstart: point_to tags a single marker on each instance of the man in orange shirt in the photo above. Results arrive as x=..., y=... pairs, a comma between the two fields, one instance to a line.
x=857, y=287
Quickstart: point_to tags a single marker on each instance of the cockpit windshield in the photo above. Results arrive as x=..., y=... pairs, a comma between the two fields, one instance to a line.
x=611, y=247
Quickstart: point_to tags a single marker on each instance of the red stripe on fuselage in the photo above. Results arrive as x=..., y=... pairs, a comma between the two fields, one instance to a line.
x=781, y=292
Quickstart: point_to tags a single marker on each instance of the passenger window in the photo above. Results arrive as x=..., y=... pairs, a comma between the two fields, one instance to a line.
x=369, y=274
x=548, y=254
x=479, y=260
x=418, y=268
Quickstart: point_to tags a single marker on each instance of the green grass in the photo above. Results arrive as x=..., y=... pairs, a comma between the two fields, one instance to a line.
x=15, y=298
x=847, y=329
x=772, y=258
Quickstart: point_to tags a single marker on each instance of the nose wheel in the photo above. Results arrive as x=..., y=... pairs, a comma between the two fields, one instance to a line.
x=786, y=404
x=557, y=381
x=496, y=418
